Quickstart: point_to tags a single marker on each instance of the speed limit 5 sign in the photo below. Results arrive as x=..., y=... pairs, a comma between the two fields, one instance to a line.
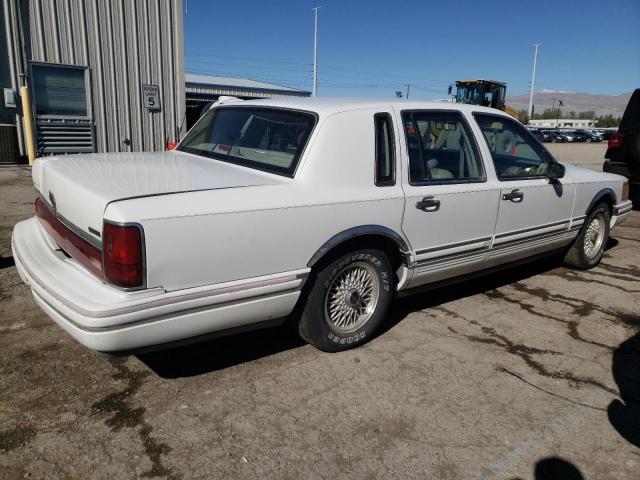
x=151, y=97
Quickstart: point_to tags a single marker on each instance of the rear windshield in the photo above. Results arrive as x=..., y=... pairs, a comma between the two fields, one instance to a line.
x=264, y=138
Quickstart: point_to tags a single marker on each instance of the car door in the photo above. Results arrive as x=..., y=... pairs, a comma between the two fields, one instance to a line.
x=450, y=207
x=534, y=212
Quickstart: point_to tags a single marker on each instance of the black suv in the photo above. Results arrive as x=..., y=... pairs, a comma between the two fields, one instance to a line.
x=623, y=154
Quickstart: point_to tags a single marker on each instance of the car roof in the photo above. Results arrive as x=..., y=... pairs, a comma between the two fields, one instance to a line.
x=330, y=105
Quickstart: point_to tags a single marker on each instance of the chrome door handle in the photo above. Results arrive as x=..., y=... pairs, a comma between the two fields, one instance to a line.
x=515, y=196
x=428, y=204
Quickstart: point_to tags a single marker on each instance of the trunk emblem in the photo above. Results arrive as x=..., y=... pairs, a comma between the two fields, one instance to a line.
x=52, y=199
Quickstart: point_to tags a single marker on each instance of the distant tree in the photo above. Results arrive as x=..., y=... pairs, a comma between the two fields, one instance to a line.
x=523, y=116
x=572, y=114
x=588, y=115
x=551, y=113
x=607, y=121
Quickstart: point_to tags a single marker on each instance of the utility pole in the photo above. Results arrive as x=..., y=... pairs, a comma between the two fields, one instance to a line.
x=408, y=85
x=315, y=52
x=560, y=104
x=533, y=77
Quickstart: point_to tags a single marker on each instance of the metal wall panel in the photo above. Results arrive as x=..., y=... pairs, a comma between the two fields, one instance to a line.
x=125, y=44
x=11, y=69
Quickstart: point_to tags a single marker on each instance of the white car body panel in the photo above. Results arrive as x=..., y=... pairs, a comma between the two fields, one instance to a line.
x=452, y=240
x=109, y=320
x=541, y=218
x=227, y=246
x=99, y=179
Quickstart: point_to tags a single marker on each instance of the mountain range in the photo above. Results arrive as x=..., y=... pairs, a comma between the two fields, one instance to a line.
x=576, y=102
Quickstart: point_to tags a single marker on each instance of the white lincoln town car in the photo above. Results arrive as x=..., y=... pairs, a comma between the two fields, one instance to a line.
x=317, y=212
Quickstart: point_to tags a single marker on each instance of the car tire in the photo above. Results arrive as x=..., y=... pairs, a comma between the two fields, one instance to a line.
x=588, y=247
x=347, y=300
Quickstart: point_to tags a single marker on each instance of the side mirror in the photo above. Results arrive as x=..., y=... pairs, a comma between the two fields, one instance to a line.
x=555, y=171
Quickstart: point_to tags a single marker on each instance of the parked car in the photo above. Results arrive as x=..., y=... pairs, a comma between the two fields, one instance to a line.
x=595, y=132
x=555, y=137
x=319, y=211
x=542, y=135
x=568, y=137
x=623, y=152
x=587, y=136
x=606, y=134
x=579, y=137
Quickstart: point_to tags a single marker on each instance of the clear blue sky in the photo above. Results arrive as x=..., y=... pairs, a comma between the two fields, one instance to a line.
x=374, y=47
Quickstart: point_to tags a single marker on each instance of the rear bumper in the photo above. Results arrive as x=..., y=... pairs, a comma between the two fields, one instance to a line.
x=621, y=212
x=106, y=319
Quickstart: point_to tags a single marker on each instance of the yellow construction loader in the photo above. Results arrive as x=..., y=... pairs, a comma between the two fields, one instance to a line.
x=487, y=93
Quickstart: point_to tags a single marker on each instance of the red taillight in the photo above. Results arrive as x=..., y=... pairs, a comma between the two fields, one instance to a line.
x=121, y=260
x=615, y=140
x=86, y=253
x=171, y=146
x=123, y=256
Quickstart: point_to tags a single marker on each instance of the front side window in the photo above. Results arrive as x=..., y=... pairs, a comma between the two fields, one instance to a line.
x=440, y=148
x=385, y=152
x=263, y=138
x=515, y=152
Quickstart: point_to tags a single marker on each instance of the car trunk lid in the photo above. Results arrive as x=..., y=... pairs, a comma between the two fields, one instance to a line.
x=79, y=187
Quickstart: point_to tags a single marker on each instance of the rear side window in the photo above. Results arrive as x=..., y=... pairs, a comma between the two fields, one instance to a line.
x=441, y=148
x=385, y=150
x=263, y=138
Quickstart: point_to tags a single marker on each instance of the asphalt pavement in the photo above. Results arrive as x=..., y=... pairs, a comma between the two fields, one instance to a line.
x=518, y=374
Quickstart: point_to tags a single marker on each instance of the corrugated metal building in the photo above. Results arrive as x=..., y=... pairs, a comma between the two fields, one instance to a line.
x=202, y=90
x=104, y=75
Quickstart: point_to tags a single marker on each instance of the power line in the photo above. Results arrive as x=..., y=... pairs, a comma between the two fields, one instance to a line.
x=296, y=75
x=310, y=65
x=378, y=74
x=260, y=60
x=363, y=86
x=256, y=67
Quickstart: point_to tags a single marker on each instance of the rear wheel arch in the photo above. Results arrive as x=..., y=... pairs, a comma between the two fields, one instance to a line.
x=365, y=236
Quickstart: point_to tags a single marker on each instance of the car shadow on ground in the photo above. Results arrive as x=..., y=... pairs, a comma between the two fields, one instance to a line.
x=220, y=353
x=6, y=262
x=624, y=413
x=227, y=351
x=402, y=307
x=555, y=468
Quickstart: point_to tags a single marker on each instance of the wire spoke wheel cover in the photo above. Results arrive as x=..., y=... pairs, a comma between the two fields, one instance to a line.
x=594, y=236
x=352, y=297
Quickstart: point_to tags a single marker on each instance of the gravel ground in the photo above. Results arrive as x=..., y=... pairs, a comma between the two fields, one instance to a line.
x=520, y=373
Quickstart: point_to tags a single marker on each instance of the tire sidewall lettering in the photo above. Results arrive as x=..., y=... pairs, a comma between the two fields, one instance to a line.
x=385, y=277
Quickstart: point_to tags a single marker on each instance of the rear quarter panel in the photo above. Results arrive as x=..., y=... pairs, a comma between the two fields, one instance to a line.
x=208, y=237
